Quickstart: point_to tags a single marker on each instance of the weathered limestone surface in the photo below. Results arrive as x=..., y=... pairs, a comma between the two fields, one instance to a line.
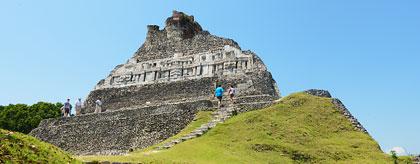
x=179, y=64
x=133, y=95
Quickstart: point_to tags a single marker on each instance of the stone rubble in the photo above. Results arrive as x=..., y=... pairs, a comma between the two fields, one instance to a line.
x=340, y=106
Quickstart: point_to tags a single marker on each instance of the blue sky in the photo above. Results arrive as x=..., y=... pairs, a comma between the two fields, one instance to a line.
x=367, y=53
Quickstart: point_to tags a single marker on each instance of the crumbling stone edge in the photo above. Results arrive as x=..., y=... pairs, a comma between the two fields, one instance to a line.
x=340, y=106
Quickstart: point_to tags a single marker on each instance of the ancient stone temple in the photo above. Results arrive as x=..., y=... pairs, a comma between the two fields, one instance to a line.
x=157, y=92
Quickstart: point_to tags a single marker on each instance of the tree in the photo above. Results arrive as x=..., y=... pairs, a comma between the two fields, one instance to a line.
x=24, y=118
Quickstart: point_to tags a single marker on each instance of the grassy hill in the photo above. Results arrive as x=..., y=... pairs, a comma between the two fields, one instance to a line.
x=299, y=129
x=20, y=148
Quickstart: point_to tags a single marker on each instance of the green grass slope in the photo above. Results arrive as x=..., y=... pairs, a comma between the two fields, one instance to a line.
x=20, y=148
x=299, y=129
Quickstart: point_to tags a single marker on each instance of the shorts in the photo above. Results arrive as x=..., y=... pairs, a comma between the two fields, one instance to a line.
x=232, y=95
x=220, y=98
x=67, y=110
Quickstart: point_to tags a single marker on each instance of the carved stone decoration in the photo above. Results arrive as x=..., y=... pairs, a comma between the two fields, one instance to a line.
x=181, y=67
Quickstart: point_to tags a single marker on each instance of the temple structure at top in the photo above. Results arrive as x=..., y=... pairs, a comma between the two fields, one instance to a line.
x=182, y=61
x=223, y=62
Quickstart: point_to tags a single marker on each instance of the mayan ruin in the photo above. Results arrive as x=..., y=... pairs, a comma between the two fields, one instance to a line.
x=158, y=91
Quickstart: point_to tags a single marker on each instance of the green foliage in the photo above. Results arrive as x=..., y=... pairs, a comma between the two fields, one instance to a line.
x=299, y=129
x=394, y=156
x=24, y=118
x=20, y=148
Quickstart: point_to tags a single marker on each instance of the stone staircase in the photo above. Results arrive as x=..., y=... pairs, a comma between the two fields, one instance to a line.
x=241, y=105
x=218, y=116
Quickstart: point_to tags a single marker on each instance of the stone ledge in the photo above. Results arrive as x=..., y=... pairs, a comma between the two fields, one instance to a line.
x=318, y=92
x=116, y=132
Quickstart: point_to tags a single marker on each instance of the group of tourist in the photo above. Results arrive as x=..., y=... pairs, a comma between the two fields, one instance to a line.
x=66, y=108
x=218, y=93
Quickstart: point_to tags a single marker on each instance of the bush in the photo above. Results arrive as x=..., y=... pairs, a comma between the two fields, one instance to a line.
x=23, y=118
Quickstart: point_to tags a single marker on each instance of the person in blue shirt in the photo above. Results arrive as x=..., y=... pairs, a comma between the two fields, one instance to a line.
x=219, y=94
x=67, y=108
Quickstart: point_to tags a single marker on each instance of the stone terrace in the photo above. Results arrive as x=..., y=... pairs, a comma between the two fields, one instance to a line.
x=119, y=131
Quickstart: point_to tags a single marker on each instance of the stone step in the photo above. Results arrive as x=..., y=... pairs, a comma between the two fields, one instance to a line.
x=245, y=107
x=200, y=133
x=176, y=141
x=218, y=116
x=187, y=138
x=166, y=146
x=254, y=98
x=245, y=99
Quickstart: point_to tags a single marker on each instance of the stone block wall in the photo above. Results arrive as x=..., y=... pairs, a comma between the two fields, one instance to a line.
x=118, y=131
x=256, y=83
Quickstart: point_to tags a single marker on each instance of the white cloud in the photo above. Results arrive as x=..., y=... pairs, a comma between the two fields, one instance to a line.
x=398, y=150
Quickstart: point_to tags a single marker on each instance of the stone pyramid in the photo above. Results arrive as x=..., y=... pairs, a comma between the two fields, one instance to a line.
x=157, y=92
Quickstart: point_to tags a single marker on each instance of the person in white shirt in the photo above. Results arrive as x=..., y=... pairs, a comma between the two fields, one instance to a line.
x=232, y=92
x=79, y=106
x=98, y=108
